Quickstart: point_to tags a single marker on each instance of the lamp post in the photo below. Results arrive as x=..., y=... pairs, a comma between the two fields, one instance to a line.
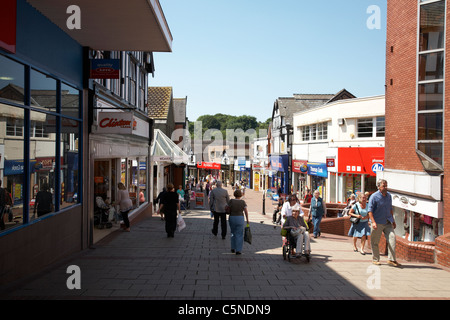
x=225, y=161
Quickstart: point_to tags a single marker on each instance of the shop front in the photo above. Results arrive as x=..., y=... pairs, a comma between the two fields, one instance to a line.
x=357, y=170
x=420, y=220
x=299, y=177
x=318, y=174
x=119, y=150
x=279, y=165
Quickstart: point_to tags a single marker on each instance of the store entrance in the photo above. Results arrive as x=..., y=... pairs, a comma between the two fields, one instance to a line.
x=104, y=197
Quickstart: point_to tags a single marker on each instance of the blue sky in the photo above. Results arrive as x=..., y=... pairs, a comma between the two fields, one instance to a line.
x=238, y=56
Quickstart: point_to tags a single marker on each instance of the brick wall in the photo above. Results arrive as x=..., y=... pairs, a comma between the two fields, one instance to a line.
x=443, y=250
x=401, y=57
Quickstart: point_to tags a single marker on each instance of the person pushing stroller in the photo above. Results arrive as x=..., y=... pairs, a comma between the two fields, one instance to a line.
x=298, y=229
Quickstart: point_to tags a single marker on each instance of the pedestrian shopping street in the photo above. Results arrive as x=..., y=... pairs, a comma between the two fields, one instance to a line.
x=196, y=265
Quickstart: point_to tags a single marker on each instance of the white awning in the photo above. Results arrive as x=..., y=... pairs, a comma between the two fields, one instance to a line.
x=114, y=25
x=165, y=150
x=427, y=207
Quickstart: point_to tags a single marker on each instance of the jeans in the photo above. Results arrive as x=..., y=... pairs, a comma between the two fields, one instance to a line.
x=316, y=221
x=237, y=225
x=389, y=234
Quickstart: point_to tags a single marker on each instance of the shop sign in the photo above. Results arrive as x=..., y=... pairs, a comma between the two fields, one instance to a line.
x=116, y=122
x=279, y=163
x=300, y=166
x=8, y=16
x=367, y=161
x=105, y=69
x=208, y=165
x=331, y=162
x=318, y=169
x=199, y=200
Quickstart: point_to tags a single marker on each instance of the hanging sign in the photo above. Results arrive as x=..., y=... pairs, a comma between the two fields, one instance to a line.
x=105, y=69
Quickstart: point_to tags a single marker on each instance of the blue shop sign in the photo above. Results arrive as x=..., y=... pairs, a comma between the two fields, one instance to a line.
x=280, y=163
x=13, y=167
x=318, y=169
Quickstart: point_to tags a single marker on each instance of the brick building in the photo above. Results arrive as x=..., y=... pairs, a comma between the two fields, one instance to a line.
x=417, y=146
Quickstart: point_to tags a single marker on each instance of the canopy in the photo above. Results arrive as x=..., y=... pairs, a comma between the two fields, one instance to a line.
x=165, y=150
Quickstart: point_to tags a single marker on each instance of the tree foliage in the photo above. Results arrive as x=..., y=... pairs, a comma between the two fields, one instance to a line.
x=222, y=122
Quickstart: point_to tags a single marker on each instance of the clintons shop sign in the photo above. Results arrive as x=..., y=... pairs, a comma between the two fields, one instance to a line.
x=116, y=122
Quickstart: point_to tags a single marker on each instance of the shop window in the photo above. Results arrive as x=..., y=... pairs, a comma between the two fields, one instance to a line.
x=143, y=190
x=70, y=101
x=43, y=91
x=13, y=176
x=42, y=179
x=30, y=166
x=417, y=227
x=12, y=81
x=70, y=134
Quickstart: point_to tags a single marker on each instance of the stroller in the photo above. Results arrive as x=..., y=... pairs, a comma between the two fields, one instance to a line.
x=101, y=214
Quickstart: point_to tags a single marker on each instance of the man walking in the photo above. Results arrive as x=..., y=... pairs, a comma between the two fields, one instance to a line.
x=382, y=217
x=218, y=201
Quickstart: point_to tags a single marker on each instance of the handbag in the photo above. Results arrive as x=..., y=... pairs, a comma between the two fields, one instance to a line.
x=248, y=235
x=353, y=219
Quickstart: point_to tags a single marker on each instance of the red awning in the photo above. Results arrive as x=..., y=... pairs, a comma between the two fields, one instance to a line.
x=208, y=165
x=361, y=160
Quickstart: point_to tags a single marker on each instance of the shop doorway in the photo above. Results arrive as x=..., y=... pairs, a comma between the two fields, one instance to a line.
x=104, y=195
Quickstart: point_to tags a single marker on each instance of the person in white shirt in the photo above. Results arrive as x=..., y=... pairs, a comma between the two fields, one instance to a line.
x=286, y=210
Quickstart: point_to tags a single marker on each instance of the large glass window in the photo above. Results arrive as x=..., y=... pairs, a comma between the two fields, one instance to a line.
x=431, y=96
x=12, y=167
x=432, y=22
x=70, y=134
x=12, y=80
x=39, y=146
x=43, y=91
x=430, y=117
x=42, y=179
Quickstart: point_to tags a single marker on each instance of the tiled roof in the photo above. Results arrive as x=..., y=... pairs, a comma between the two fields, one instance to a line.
x=159, y=101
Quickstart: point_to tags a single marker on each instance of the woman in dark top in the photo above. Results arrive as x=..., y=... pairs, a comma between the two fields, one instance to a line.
x=44, y=201
x=238, y=208
x=170, y=204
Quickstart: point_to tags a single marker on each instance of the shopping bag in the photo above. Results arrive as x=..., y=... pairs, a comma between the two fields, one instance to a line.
x=248, y=235
x=180, y=223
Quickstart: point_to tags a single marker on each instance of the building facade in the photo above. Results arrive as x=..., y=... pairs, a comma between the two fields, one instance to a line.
x=417, y=157
x=338, y=147
x=47, y=102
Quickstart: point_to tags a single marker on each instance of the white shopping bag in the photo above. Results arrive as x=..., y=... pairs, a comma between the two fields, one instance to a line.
x=180, y=223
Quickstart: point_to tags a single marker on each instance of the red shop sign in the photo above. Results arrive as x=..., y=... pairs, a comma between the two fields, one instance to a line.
x=360, y=160
x=8, y=16
x=208, y=165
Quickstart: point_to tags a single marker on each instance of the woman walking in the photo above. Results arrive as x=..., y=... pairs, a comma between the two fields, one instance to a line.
x=317, y=211
x=170, y=204
x=238, y=208
x=360, y=230
x=125, y=204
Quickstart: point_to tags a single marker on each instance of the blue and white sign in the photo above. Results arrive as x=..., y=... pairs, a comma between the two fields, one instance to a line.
x=377, y=167
x=318, y=169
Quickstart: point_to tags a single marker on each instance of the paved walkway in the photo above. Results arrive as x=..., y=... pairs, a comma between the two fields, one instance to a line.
x=195, y=265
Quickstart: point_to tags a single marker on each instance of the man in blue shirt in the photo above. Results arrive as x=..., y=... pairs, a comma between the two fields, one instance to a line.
x=382, y=217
